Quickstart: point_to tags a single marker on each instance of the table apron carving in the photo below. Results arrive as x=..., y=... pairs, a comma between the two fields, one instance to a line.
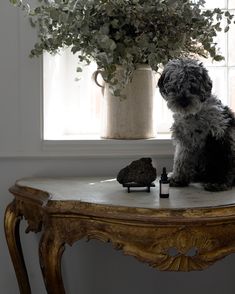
x=150, y=243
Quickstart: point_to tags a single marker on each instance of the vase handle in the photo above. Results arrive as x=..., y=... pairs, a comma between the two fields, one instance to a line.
x=95, y=76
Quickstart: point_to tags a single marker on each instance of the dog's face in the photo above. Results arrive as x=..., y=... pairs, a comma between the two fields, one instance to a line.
x=185, y=85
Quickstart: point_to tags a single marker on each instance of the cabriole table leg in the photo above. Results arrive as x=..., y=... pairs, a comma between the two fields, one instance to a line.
x=12, y=224
x=51, y=249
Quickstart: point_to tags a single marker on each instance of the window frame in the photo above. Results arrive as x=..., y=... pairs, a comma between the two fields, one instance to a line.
x=24, y=136
x=50, y=142
x=160, y=146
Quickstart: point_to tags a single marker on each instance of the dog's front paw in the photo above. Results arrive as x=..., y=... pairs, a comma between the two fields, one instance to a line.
x=215, y=187
x=176, y=182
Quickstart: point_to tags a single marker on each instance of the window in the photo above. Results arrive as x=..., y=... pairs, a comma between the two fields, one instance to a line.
x=72, y=109
x=223, y=73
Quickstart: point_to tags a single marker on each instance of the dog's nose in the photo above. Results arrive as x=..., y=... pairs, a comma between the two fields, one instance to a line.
x=183, y=102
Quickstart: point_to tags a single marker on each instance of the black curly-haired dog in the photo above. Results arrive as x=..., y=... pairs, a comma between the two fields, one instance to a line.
x=203, y=129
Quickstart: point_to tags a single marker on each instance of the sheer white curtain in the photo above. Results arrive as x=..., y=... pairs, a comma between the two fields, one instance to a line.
x=72, y=108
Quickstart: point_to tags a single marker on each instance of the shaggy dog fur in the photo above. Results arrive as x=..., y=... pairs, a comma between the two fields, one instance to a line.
x=203, y=129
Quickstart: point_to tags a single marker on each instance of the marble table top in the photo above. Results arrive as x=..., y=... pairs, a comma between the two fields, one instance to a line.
x=106, y=190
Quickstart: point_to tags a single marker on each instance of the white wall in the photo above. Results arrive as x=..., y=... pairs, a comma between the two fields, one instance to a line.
x=88, y=268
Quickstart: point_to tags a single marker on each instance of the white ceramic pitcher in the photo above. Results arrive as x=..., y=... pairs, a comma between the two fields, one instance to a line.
x=130, y=117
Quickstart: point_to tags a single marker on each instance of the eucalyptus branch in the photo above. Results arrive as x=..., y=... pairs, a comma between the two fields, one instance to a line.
x=126, y=32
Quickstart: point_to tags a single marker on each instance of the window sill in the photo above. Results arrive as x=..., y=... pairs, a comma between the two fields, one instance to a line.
x=97, y=147
x=96, y=137
x=160, y=146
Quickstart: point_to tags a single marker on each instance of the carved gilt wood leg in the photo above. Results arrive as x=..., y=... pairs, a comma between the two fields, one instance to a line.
x=50, y=252
x=12, y=224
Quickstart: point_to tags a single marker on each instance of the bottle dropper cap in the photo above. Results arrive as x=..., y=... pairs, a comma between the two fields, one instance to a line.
x=164, y=175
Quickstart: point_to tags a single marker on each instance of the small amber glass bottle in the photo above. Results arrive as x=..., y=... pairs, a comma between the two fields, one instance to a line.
x=164, y=185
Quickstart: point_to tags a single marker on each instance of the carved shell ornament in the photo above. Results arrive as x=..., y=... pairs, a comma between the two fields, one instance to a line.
x=181, y=250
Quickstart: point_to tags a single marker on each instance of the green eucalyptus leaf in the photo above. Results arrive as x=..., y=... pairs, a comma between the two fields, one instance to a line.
x=218, y=58
x=79, y=69
x=16, y=2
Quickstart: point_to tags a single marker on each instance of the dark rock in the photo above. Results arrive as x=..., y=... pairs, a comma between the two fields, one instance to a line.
x=139, y=171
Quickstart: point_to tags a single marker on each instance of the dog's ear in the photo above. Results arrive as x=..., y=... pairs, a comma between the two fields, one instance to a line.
x=207, y=82
x=161, y=80
x=161, y=83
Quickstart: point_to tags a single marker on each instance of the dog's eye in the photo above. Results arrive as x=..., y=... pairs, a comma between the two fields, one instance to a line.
x=171, y=90
x=193, y=90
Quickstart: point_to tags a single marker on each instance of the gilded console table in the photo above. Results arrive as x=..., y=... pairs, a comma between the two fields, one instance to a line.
x=189, y=231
